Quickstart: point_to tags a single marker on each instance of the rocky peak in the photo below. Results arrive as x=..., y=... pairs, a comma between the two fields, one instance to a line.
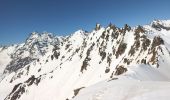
x=161, y=24
x=98, y=26
x=40, y=37
x=80, y=33
x=100, y=54
x=112, y=26
x=127, y=27
x=139, y=29
x=36, y=45
x=33, y=35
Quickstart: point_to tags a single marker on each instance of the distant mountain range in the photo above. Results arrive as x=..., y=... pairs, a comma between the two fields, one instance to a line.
x=108, y=63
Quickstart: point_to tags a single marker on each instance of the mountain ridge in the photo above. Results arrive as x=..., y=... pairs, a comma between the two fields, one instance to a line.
x=83, y=59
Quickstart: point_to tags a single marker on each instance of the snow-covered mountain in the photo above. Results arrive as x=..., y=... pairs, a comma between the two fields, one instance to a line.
x=48, y=67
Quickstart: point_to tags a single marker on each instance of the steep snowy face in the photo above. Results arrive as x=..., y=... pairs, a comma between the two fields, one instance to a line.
x=5, y=53
x=36, y=46
x=57, y=67
x=161, y=24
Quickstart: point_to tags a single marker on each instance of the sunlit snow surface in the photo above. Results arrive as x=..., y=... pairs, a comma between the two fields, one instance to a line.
x=126, y=90
x=61, y=76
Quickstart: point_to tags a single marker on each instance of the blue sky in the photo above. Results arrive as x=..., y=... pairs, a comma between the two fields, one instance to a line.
x=18, y=18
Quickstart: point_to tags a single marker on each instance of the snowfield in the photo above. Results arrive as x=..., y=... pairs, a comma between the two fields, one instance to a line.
x=141, y=82
x=108, y=63
x=126, y=90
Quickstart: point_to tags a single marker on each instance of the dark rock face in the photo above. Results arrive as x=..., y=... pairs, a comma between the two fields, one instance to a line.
x=115, y=35
x=145, y=44
x=154, y=58
x=120, y=70
x=17, y=91
x=126, y=61
x=121, y=49
x=32, y=80
x=85, y=62
x=109, y=59
x=56, y=52
x=18, y=64
x=67, y=46
x=103, y=35
x=132, y=51
x=127, y=28
x=157, y=41
x=103, y=55
x=158, y=26
x=139, y=29
x=113, y=27
x=135, y=46
x=20, y=88
x=107, y=70
x=97, y=27
x=76, y=91
x=143, y=61
x=52, y=57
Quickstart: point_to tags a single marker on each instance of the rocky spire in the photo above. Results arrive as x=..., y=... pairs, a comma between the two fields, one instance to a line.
x=98, y=26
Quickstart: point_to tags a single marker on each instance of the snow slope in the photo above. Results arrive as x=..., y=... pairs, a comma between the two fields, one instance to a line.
x=126, y=90
x=48, y=67
x=140, y=83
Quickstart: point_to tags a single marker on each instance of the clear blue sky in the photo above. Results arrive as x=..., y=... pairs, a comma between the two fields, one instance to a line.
x=18, y=18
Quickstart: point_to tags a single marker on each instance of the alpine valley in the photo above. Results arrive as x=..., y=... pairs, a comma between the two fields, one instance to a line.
x=108, y=63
